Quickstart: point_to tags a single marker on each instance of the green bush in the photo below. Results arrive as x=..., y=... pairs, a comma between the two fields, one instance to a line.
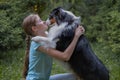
x=10, y=32
x=105, y=29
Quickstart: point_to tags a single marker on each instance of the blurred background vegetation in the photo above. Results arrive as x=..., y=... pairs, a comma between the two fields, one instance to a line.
x=101, y=19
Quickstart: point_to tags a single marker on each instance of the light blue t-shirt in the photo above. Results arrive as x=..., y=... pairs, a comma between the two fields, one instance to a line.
x=40, y=64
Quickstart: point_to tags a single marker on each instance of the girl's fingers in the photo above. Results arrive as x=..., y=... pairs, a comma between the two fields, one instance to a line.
x=81, y=29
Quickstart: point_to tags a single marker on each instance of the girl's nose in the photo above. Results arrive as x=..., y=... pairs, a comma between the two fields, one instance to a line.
x=44, y=22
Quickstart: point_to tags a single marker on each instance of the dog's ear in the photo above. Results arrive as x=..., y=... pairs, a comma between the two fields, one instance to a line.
x=58, y=11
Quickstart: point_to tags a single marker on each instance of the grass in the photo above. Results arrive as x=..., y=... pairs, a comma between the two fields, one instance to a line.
x=11, y=63
x=111, y=60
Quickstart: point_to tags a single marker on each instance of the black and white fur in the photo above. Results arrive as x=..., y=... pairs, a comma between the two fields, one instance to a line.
x=83, y=62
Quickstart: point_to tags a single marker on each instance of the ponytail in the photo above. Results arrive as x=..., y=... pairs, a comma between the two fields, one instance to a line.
x=26, y=60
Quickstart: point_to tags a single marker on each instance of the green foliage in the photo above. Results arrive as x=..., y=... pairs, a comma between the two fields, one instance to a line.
x=113, y=30
x=11, y=16
x=8, y=35
x=104, y=25
x=11, y=65
x=111, y=61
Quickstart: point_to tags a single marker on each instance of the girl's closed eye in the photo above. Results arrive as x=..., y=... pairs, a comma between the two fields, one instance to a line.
x=39, y=22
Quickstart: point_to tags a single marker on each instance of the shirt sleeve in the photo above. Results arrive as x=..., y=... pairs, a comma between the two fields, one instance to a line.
x=36, y=45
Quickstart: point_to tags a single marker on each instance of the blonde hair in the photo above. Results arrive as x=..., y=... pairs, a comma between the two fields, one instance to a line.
x=28, y=22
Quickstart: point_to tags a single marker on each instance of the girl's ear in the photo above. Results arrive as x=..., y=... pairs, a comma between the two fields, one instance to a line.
x=34, y=28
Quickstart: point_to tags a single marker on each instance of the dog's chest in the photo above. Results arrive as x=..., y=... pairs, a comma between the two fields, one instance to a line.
x=56, y=30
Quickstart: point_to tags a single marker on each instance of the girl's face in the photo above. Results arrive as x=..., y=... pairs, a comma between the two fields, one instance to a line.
x=41, y=25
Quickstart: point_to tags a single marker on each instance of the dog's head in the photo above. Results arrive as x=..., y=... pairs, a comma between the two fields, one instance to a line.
x=59, y=15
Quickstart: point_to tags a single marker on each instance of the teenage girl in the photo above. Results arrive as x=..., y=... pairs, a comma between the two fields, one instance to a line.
x=38, y=59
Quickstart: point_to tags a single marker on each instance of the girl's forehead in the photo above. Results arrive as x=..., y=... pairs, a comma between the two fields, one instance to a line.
x=38, y=18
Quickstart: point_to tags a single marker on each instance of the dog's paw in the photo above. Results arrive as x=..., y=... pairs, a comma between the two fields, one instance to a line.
x=36, y=39
x=56, y=40
x=53, y=45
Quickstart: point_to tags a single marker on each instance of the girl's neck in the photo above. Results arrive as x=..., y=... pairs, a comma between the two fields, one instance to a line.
x=42, y=34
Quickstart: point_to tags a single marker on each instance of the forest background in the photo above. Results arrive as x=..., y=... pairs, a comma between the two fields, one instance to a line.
x=101, y=19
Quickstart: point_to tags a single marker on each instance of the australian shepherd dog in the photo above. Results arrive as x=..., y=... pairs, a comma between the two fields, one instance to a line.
x=83, y=62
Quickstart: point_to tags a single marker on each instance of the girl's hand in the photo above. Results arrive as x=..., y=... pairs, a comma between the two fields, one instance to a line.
x=79, y=31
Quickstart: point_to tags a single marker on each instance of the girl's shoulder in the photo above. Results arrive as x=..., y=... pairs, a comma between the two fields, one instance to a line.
x=35, y=45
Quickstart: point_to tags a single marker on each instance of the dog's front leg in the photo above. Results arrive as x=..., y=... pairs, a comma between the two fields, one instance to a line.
x=41, y=39
x=46, y=41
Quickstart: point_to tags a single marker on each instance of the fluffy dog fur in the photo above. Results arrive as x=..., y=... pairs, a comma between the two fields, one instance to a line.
x=83, y=62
